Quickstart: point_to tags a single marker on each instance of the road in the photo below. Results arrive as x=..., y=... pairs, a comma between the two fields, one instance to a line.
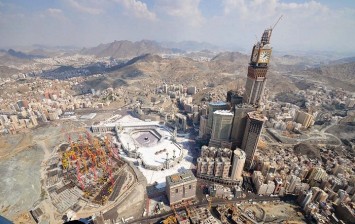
x=323, y=138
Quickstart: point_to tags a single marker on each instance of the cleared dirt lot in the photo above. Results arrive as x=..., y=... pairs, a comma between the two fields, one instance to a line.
x=21, y=158
x=281, y=211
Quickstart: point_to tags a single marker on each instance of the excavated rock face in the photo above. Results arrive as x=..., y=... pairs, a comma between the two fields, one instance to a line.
x=311, y=151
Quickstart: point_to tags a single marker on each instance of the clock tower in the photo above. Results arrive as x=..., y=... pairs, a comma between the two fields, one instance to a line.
x=257, y=70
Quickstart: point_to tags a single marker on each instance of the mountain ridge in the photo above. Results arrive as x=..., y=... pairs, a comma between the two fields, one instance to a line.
x=127, y=49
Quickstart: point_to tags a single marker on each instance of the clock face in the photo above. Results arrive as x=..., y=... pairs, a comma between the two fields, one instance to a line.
x=264, y=56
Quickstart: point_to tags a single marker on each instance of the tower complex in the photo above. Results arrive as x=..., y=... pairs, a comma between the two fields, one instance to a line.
x=238, y=125
x=257, y=70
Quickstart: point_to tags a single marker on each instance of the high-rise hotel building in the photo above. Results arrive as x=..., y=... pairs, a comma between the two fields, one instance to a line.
x=257, y=70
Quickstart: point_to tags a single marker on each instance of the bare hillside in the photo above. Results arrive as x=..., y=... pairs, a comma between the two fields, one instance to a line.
x=126, y=49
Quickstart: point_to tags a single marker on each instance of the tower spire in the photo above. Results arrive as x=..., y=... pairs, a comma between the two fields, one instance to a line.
x=258, y=66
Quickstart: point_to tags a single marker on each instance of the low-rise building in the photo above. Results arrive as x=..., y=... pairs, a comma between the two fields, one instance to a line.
x=181, y=187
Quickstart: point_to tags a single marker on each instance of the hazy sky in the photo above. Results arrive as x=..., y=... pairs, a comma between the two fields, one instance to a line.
x=327, y=25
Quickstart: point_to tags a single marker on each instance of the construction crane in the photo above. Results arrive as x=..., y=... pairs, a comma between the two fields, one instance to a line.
x=74, y=146
x=170, y=220
x=109, y=168
x=93, y=163
x=230, y=206
x=80, y=142
x=273, y=27
x=87, y=151
x=175, y=213
x=187, y=209
x=72, y=155
x=88, y=137
x=94, y=171
x=65, y=161
x=79, y=175
x=85, y=165
x=209, y=199
x=69, y=139
x=108, y=144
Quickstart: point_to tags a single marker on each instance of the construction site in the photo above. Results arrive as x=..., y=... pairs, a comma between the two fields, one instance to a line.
x=226, y=213
x=234, y=213
x=192, y=215
x=86, y=171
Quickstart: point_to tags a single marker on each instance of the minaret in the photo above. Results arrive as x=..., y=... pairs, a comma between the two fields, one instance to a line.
x=257, y=70
x=167, y=161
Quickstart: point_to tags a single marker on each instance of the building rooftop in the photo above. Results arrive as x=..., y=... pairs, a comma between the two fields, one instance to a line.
x=244, y=105
x=257, y=116
x=218, y=103
x=239, y=153
x=223, y=112
x=179, y=178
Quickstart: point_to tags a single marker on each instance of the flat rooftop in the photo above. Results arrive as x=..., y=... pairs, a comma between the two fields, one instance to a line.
x=224, y=112
x=257, y=116
x=179, y=178
x=218, y=103
x=244, y=105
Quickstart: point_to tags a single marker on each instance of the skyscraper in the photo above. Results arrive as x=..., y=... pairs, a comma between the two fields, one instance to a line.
x=203, y=127
x=212, y=107
x=238, y=164
x=255, y=121
x=239, y=123
x=221, y=128
x=257, y=70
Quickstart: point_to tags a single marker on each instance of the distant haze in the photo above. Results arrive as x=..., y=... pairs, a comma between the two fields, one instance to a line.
x=326, y=25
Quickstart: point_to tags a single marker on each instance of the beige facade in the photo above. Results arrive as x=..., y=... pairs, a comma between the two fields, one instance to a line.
x=214, y=161
x=238, y=164
x=181, y=187
x=317, y=174
x=254, y=87
x=221, y=167
x=304, y=118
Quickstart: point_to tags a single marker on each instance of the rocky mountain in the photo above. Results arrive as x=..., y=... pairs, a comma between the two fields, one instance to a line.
x=336, y=76
x=21, y=55
x=127, y=49
x=231, y=57
x=342, y=61
x=344, y=72
x=191, y=46
x=6, y=71
x=6, y=59
x=224, y=72
x=200, y=54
